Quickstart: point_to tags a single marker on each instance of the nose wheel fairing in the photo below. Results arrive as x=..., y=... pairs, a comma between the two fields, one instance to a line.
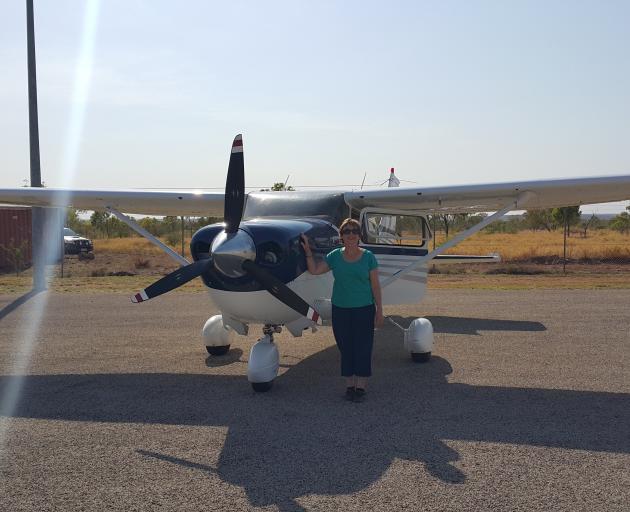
x=264, y=360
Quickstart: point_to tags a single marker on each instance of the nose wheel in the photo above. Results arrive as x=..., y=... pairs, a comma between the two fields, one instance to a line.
x=218, y=351
x=264, y=360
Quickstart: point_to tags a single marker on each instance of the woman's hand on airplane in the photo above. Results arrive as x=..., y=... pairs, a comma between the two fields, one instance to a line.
x=306, y=245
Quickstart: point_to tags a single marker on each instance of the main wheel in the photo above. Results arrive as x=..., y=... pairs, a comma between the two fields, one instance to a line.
x=421, y=357
x=262, y=387
x=218, y=351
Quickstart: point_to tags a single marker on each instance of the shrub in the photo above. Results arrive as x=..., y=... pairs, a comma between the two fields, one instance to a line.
x=142, y=263
x=173, y=238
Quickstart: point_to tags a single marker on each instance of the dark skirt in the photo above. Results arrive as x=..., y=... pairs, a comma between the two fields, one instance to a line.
x=354, y=334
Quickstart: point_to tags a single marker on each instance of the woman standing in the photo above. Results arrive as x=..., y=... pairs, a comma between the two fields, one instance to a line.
x=356, y=304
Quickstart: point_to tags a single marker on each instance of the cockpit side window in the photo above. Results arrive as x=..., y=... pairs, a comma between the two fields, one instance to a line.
x=383, y=228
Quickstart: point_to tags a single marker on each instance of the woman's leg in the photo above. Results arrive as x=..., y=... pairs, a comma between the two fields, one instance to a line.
x=363, y=333
x=342, y=329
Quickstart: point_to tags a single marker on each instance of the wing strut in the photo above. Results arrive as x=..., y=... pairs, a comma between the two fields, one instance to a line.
x=456, y=239
x=143, y=232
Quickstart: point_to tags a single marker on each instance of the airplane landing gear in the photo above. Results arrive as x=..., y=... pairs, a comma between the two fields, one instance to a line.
x=418, y=338
x=218, y=351
x=216, y=336
x=264, y=360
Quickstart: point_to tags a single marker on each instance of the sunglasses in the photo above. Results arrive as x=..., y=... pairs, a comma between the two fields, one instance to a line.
x=350, y=232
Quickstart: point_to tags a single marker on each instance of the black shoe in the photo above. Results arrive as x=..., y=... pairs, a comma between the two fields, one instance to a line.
x=359, y=395
x=349, y=393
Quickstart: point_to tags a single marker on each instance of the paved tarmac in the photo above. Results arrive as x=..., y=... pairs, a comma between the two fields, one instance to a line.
x=524, y=406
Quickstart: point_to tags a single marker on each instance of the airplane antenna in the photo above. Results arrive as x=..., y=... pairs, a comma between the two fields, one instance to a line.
x=285, y=182
x=364, y=176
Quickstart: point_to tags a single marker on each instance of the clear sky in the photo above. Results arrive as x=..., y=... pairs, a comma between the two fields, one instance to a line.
x=139, y=94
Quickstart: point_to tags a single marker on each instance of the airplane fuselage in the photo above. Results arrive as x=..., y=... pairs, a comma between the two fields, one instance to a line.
x=272, y=236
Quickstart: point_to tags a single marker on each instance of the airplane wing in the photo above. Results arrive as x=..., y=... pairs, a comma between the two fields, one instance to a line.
x=492, y=197
x=147, y=202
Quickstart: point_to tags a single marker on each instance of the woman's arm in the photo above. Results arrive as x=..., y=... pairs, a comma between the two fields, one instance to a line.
x=315, y=268
x=376, y=293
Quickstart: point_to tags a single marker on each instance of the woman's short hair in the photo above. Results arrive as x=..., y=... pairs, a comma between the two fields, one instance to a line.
x=350, y=222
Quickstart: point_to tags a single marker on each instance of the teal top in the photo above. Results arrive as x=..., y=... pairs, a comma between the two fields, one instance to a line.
x=352, y=287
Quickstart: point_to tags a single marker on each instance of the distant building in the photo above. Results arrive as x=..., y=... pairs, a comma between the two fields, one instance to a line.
x=15, y=235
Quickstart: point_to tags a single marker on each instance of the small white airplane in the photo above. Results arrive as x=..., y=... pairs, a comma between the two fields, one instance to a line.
x=257, y=251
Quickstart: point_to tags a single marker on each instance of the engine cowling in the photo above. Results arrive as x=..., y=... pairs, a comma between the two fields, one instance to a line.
x=274, y=244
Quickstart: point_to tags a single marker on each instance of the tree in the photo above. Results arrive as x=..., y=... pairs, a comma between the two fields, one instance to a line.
x=592, y=222
x=277, y=187
x=117, y=228
x=511, y=224
x=152, y=225
x=540, y=219
x=455, y=221
x=171, y=223
x=99, y=221
x=74, y=222
x=566, y=216
x=621, y=222
x=16, y=254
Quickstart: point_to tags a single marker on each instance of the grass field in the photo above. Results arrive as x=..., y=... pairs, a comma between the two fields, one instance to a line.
x=525, y=246
x=530, y=246
x=601, y=260
x=135, y=245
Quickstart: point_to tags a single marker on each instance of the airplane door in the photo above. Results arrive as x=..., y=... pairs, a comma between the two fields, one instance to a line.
x=397, y=239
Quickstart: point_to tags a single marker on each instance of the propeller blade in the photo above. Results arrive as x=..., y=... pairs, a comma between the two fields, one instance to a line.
x=281, y=291
x=173, y=280
x=235, y=187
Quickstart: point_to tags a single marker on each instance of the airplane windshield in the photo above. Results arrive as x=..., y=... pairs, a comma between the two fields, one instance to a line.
x=324, y=205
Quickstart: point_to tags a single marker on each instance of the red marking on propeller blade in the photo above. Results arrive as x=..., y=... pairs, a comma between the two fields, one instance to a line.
x=313, y=315
x=237, y=145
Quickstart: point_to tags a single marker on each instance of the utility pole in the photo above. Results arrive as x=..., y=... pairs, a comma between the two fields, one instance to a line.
x=37, y=226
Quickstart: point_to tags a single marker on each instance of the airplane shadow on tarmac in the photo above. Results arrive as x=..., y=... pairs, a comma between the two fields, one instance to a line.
x=23, y=299
x=302, y=438
x=463, y=325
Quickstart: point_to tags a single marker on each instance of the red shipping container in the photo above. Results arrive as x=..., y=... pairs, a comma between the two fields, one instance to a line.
x=15, y=234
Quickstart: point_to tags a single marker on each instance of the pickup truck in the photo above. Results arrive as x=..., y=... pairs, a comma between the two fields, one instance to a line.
x=76, y=244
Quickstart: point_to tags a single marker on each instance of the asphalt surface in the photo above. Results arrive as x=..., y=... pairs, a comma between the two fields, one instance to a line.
x=524, y=406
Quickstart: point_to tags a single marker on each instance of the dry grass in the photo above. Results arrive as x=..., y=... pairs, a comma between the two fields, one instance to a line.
x=139, y=263
x=523, y=246
x=601, y=245
x=136, y=246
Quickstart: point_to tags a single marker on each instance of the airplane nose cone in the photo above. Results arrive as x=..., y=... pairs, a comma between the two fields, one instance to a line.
x=230, y=250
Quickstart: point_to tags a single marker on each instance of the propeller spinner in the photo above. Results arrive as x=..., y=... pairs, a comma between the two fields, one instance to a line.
x=233, y=251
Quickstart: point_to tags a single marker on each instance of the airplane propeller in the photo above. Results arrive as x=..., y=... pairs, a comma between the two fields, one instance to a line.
x=173, y=280
x=234, y=187
x=281, y=291
x=233, y=251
